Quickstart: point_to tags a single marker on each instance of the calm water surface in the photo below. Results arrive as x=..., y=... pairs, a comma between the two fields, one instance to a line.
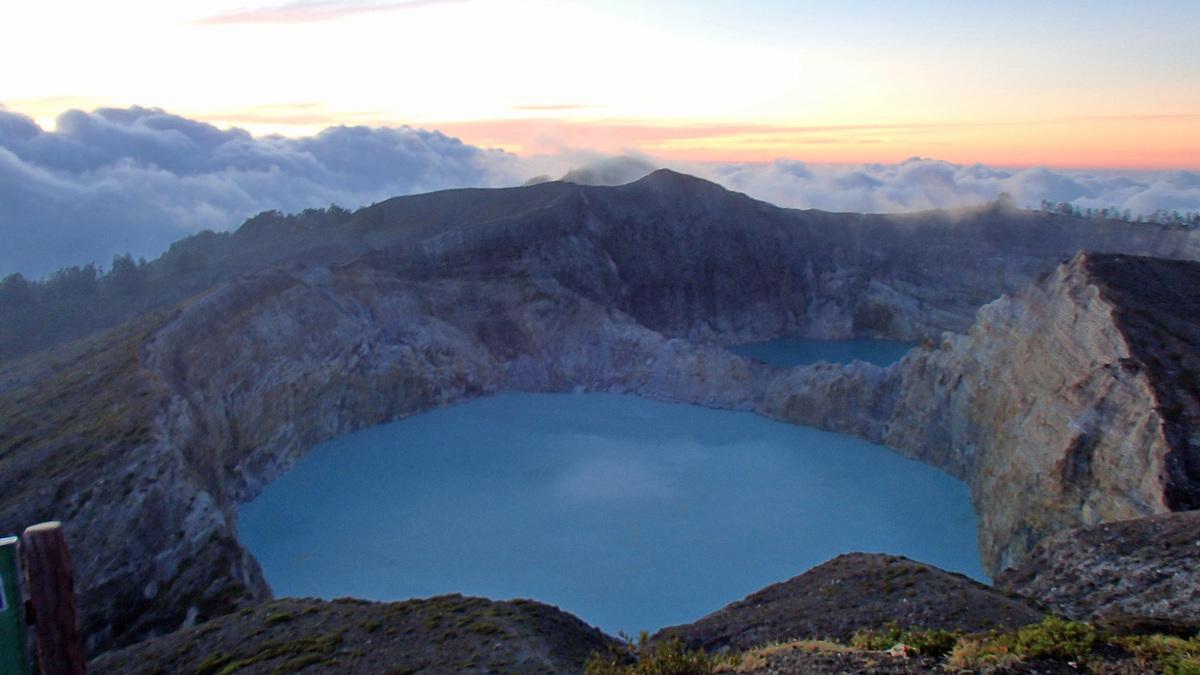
x=626, y=512
x=790, y=352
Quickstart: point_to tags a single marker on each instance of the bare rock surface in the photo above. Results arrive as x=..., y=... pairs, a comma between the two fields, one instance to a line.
x=1131, y=575
x=857, y=591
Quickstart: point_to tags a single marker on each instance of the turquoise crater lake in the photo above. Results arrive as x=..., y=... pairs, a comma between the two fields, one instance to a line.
x=789, y=352
x=632, y=514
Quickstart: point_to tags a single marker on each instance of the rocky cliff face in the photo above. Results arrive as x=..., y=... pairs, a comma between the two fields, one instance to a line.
x=1065, y=405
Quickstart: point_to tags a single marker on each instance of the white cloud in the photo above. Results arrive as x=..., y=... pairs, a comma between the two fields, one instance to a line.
x=928, y=183
x=135, y=180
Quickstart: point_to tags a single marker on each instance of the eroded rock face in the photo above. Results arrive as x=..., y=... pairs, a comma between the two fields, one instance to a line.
x=1129, y=575
x=1070, y=404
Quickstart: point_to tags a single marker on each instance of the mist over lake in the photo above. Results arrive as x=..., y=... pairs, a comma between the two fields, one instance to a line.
x=631, y=513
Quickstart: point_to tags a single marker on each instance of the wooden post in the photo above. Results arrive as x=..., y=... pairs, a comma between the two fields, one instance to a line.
x=52, y=593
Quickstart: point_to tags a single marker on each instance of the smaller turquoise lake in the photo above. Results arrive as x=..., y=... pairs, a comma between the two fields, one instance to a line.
x=629, y=513
x=790, y=352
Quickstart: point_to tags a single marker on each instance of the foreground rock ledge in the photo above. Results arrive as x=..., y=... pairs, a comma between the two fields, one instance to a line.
x=456, y=634
x=1134, y=575
x=853, y=592
x=448, y=633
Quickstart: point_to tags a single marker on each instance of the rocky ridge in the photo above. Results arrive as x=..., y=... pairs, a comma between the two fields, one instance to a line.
x=851, y=593
x=441, y=634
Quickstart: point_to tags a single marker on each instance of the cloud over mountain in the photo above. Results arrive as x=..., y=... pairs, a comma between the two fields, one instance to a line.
x=137, y=179
x=134, y=180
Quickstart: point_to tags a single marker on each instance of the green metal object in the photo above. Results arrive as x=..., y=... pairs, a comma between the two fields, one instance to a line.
x=12, y=612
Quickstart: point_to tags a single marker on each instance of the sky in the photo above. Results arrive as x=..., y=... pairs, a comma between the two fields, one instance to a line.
x=128, y=124
x=1057, y=83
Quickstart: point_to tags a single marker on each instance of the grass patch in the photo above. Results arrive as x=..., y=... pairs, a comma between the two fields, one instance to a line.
x=307, y=650
x=760, y=657
x=1166, y=653
x=669, y=657
x=278, y=617
x=1054, y=639
x=923, y=642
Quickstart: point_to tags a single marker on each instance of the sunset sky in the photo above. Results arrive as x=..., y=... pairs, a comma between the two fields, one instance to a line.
x=1071, y=83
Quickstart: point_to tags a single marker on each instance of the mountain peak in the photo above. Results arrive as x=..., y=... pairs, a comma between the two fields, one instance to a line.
x=670, y=179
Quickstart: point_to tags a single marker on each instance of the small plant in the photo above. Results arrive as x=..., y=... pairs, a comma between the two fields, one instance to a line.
x=1169, y=654
x=925, y=642
x=278, y=617
x=669, y=657
x=1053, y=638
x=976, y=655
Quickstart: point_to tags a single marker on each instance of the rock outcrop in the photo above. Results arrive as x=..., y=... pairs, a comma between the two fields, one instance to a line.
x=853, y=592
x=1135, y=575
x=1070, y=404
x=444, y=634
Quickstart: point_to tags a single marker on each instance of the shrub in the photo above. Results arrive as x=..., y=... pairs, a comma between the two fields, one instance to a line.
x=1053, y=638
x=975, y=654
x=925, y=642
x=665, y=658
x=1169, y=654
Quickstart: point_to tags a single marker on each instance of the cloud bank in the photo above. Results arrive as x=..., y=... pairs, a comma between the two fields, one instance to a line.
x=135, y=180
x=918, y=183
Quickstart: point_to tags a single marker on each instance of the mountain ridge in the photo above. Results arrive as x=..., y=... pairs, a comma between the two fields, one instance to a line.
x=1017, y=245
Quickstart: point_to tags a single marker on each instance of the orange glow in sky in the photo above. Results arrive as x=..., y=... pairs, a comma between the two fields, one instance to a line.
x=1016, y=83
x=1131, y=142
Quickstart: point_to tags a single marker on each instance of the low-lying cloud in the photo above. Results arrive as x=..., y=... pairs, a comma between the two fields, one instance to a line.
x=918, y=184
x=134, y=180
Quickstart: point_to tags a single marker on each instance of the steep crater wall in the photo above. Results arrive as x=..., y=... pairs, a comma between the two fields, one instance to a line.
x=1068, y=405
x=145, y=438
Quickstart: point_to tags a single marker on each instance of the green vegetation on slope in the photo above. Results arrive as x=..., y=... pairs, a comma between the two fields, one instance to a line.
x=61, y=413
x=1078, y=645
